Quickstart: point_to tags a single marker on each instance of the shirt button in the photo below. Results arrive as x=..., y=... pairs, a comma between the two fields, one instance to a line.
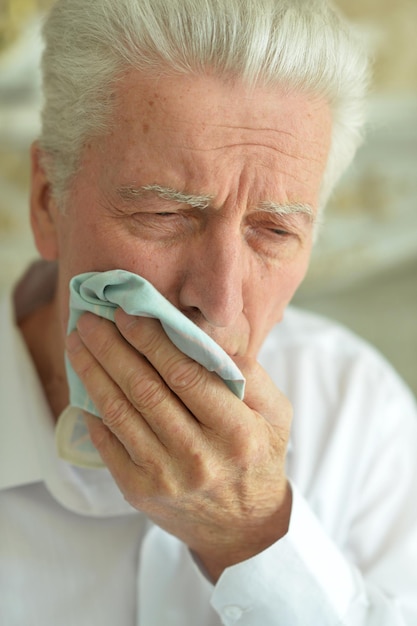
x=232, y=613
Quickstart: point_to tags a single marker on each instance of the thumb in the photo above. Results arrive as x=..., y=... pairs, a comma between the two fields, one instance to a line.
x=263, y=396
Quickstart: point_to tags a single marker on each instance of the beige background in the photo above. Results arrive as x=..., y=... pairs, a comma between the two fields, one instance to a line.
x=364, y=270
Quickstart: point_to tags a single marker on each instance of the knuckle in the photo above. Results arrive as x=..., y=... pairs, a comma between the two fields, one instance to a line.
x=247, y=452
x=206, y=474
x=184, y=375
x=158, y=483
x=242, y=433
x=114, y=411
x=147, y=393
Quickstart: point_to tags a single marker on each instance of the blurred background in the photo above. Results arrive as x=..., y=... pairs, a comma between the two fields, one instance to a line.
x=364, y=268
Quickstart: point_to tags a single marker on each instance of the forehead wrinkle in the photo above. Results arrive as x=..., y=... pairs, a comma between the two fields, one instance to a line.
x=243, y=144
x=272, y=149
x=239, y=127
x=297, y=139
x=307, y=158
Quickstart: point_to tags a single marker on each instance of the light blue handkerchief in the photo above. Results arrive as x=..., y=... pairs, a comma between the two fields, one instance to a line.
x=102, y=293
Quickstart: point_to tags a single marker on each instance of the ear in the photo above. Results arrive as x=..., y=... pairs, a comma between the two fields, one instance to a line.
x=44, y=214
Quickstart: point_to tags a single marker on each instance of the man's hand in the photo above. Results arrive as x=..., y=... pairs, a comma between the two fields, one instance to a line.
x=202, y=464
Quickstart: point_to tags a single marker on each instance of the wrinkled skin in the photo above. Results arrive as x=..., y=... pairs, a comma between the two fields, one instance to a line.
x=202, y=464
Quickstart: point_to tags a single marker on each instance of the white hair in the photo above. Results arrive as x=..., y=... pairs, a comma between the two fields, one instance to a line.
x=297, y=44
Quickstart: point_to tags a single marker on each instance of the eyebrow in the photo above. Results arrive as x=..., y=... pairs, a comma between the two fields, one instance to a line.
x=203, y=201
x=296, y=208
x=167, y=193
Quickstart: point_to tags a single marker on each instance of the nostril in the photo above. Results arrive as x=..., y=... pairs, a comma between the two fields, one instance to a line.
x=193, y=313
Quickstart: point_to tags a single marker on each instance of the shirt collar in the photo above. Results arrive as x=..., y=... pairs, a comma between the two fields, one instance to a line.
x=27, y=434
x=19, y=460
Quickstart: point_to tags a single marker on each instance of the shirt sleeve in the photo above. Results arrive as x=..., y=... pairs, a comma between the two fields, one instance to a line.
x=349, y=560
x=301, y=579
x=370, y=580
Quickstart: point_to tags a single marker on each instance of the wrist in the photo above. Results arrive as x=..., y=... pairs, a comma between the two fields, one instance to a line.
x=256, y=538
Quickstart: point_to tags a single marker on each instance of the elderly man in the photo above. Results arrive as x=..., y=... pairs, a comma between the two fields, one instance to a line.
x=194, y=143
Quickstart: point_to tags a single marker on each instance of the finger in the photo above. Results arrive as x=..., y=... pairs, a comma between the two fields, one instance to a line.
x=106, y=442
x=263, y=396
x=203, y=392
x=117, y=412
x=138, y=480
x=141, y=384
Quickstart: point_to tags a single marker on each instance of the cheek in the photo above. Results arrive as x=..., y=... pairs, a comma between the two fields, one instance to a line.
x=269, y=297
x=90, y=243
x=291, y=279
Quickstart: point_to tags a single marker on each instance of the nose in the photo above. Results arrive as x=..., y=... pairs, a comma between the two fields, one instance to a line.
x=213, y=278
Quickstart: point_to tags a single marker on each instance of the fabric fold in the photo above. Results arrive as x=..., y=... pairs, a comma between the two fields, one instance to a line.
x=102, y=293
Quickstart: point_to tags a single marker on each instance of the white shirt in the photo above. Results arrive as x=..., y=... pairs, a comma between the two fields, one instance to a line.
x=73, y=553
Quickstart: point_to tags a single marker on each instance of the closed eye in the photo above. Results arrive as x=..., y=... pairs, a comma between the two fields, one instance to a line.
x=280, y=232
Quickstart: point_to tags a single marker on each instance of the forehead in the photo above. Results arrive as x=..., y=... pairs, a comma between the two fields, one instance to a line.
x=205, y=102
x=193, y=129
